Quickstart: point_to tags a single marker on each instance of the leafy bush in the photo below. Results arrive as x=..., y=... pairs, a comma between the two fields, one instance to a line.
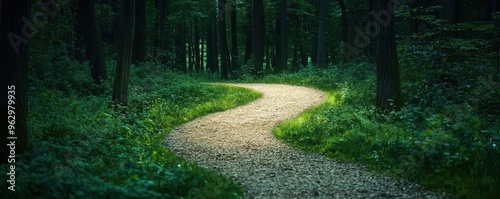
x=81, y=148
x=440, y=139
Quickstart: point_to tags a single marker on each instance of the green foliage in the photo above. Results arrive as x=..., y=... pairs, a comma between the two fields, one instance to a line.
x=446, y=144
x=84, y=149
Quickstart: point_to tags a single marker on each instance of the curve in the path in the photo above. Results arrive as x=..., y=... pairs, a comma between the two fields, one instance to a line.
x=238, y=143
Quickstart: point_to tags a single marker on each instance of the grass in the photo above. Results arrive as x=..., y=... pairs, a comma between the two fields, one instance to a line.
x=445, y=149
x=81, y=148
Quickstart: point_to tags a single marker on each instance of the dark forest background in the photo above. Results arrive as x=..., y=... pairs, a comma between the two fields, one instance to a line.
x=413, y=89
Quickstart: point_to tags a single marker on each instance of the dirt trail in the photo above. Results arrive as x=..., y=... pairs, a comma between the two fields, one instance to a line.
x=238, y=143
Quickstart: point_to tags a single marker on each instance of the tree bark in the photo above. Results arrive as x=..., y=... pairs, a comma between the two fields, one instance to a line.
x=248, y=40
x=197, y=55
x=180, y=47
x=224, y=52
x=139, y=46
x=448, y=11
x=212, y=57
x=190, y=49
x=284, y=35
x=14, y=77
x=234, y=38
x=258, y=37
x=322, y=34
x=345, y=26
x=92, y=39
x=122, y=75
x=389, y=95
x=202, y=61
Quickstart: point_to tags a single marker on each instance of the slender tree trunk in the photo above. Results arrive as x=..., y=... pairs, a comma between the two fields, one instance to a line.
x=210, y=53
x=224, y=53
x=14, y=78
x=258, y=37
x=322, y=34
x=180, y=47
x=157, y=30
x=448, y=11
x=249, y=32
x=284, y=35
x=197, y=55
x=92, y=39
x=295, y=63
x=234, y=38
x=202, y=53
x=304, y=58
x=277, y=38
x=212, y=57
x=190, y=49
x=313, y=29
x=267, y=58
x=345, y=26
x=139, y=46
x=122, y=75
x=389, y=95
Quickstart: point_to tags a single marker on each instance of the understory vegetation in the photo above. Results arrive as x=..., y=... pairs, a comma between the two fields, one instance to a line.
x=446, y=137
x=442, y=129
x=82, y=148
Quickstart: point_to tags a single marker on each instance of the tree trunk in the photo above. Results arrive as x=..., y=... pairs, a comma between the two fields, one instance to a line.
x=258, y=37
x=122, y=75
x=190, y=49
x=224, y=52
x=197, y=55
x=92, y=39
x=304, y=58
x=281, y=37
x=389, y=95
x=345, y=26
x=212, y=57
x=180, y=47
x=234, y=38
x=14, y=78
x=139, y=47
x=277, y=38
x=202, y=61
x=248, y=40
x=448, y=11
x=322, y=34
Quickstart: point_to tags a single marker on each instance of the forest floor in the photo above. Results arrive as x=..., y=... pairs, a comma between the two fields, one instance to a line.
x=239, y=144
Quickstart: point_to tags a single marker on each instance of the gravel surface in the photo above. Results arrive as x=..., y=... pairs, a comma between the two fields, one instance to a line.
x=238, y=143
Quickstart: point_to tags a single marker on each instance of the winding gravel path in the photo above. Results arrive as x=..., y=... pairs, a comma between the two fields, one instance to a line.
x=238, y=143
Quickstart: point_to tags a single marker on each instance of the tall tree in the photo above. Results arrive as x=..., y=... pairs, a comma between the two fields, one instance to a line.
x=389, y=95
x=284, y=35
x=345, y=26
x=451, y=10
x=139, y=46
x=92, y=39
x=180, y=46
x=212, y=57
x=122, y=75
x=258, y=36
x=249, y=32
x=322, y=34
x=14, y=76
x=224, y=52
x=197, y=53
x=234, y=39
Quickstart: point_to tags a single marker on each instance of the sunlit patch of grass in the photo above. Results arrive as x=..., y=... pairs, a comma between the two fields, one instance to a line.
x=447, y=149
x=83, y=149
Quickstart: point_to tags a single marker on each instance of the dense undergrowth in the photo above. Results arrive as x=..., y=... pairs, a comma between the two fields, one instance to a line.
x=446, y=136
x=81, y=148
